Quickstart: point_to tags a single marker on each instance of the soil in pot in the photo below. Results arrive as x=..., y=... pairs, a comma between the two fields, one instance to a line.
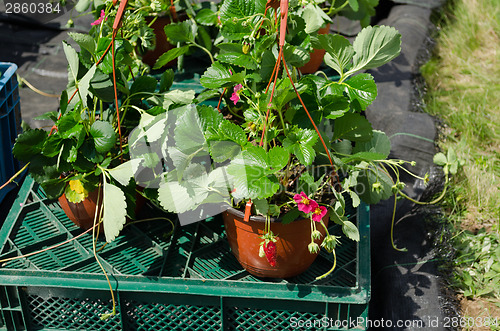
x=293, y=257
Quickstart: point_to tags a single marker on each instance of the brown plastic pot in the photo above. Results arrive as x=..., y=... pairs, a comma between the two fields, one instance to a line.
x=82, y=214
x=316, y=56
x=162, y=45
x=293, y=257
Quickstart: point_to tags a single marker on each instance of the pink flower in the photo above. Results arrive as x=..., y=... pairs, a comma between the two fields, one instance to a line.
x=318, y=213
x=100, y=19
x=305, y=204
x=236, y=93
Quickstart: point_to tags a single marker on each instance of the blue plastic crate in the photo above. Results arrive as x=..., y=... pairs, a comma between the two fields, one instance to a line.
x=10, y=114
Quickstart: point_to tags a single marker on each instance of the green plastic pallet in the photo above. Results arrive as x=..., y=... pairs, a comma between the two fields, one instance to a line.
x=163, y=280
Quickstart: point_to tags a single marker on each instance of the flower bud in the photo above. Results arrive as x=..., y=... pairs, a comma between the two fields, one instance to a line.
x=246, y=48
x=313, y=248
x=315, y=234
x=329, y=243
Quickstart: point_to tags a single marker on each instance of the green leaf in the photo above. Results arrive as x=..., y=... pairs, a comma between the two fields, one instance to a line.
x=352, y=127
x=440, y=159
x=74, y=63
x=82, y=5
x=366, y=190
x=238, y=59
x=125, y=171
x=278, y=158
x=362, y=89
x=29, y=144
x=217, y=76
x=142, y=87
x=314, y=17
x=355, y=199
x=101, y=85
x=291, y=216
x=261, y=206
x=104, y=136
x=241, y=8
x=166, y=80
x=375, y=46
x=379, y=143
x=206, y=17
x=308, y=185
x=115, y=211
x=339, y=51
x=301, y=143
x=181, y=32
x=51, y=115
x=296, y=56
x=350, y=230
x=354, y=5
x=85, y=41
x=171, y=55
x=175, y=198
x=253, y=172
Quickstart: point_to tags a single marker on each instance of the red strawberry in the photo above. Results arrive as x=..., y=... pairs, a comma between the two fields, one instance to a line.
x=270, y=250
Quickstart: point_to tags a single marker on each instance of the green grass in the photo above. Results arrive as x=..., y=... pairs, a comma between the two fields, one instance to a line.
x=463, y=79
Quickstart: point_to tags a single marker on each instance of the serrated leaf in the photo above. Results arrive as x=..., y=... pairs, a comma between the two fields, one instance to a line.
x=217, y=76
x=125, y=171
x=375, y=46
x=350, y=230
x=352, y=127
x=379, y=143
x=314, y=17
x=238, y=59
x=301, y=143
x=84, y=85
x=82, y=5
x=29, y=144
x=170, y=55
x=166, y=80
x=206, y=17
x=104, y=136
x=73, y=61
x=115, y=211
x=174, y=197
x=278, y=158
x=291, y=216
x=142, y=87
x=51, y=115
x=181, y=32
x=362, y=88
x=440, y=159
x=354, y=5
x=355, y=199
x=241, y=8
x=261, y=206
x=365, y=188
x=339, y=51
x=85, y=41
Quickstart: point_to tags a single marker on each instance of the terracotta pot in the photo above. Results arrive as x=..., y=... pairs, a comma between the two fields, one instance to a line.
x=82, y=214
x=316, y=56
x=293, y=256
x=162, y=44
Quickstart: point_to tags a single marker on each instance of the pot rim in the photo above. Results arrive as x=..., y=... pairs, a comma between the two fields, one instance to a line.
x=258, y=218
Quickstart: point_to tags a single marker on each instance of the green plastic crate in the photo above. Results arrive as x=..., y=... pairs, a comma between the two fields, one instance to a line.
x=188, y=280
